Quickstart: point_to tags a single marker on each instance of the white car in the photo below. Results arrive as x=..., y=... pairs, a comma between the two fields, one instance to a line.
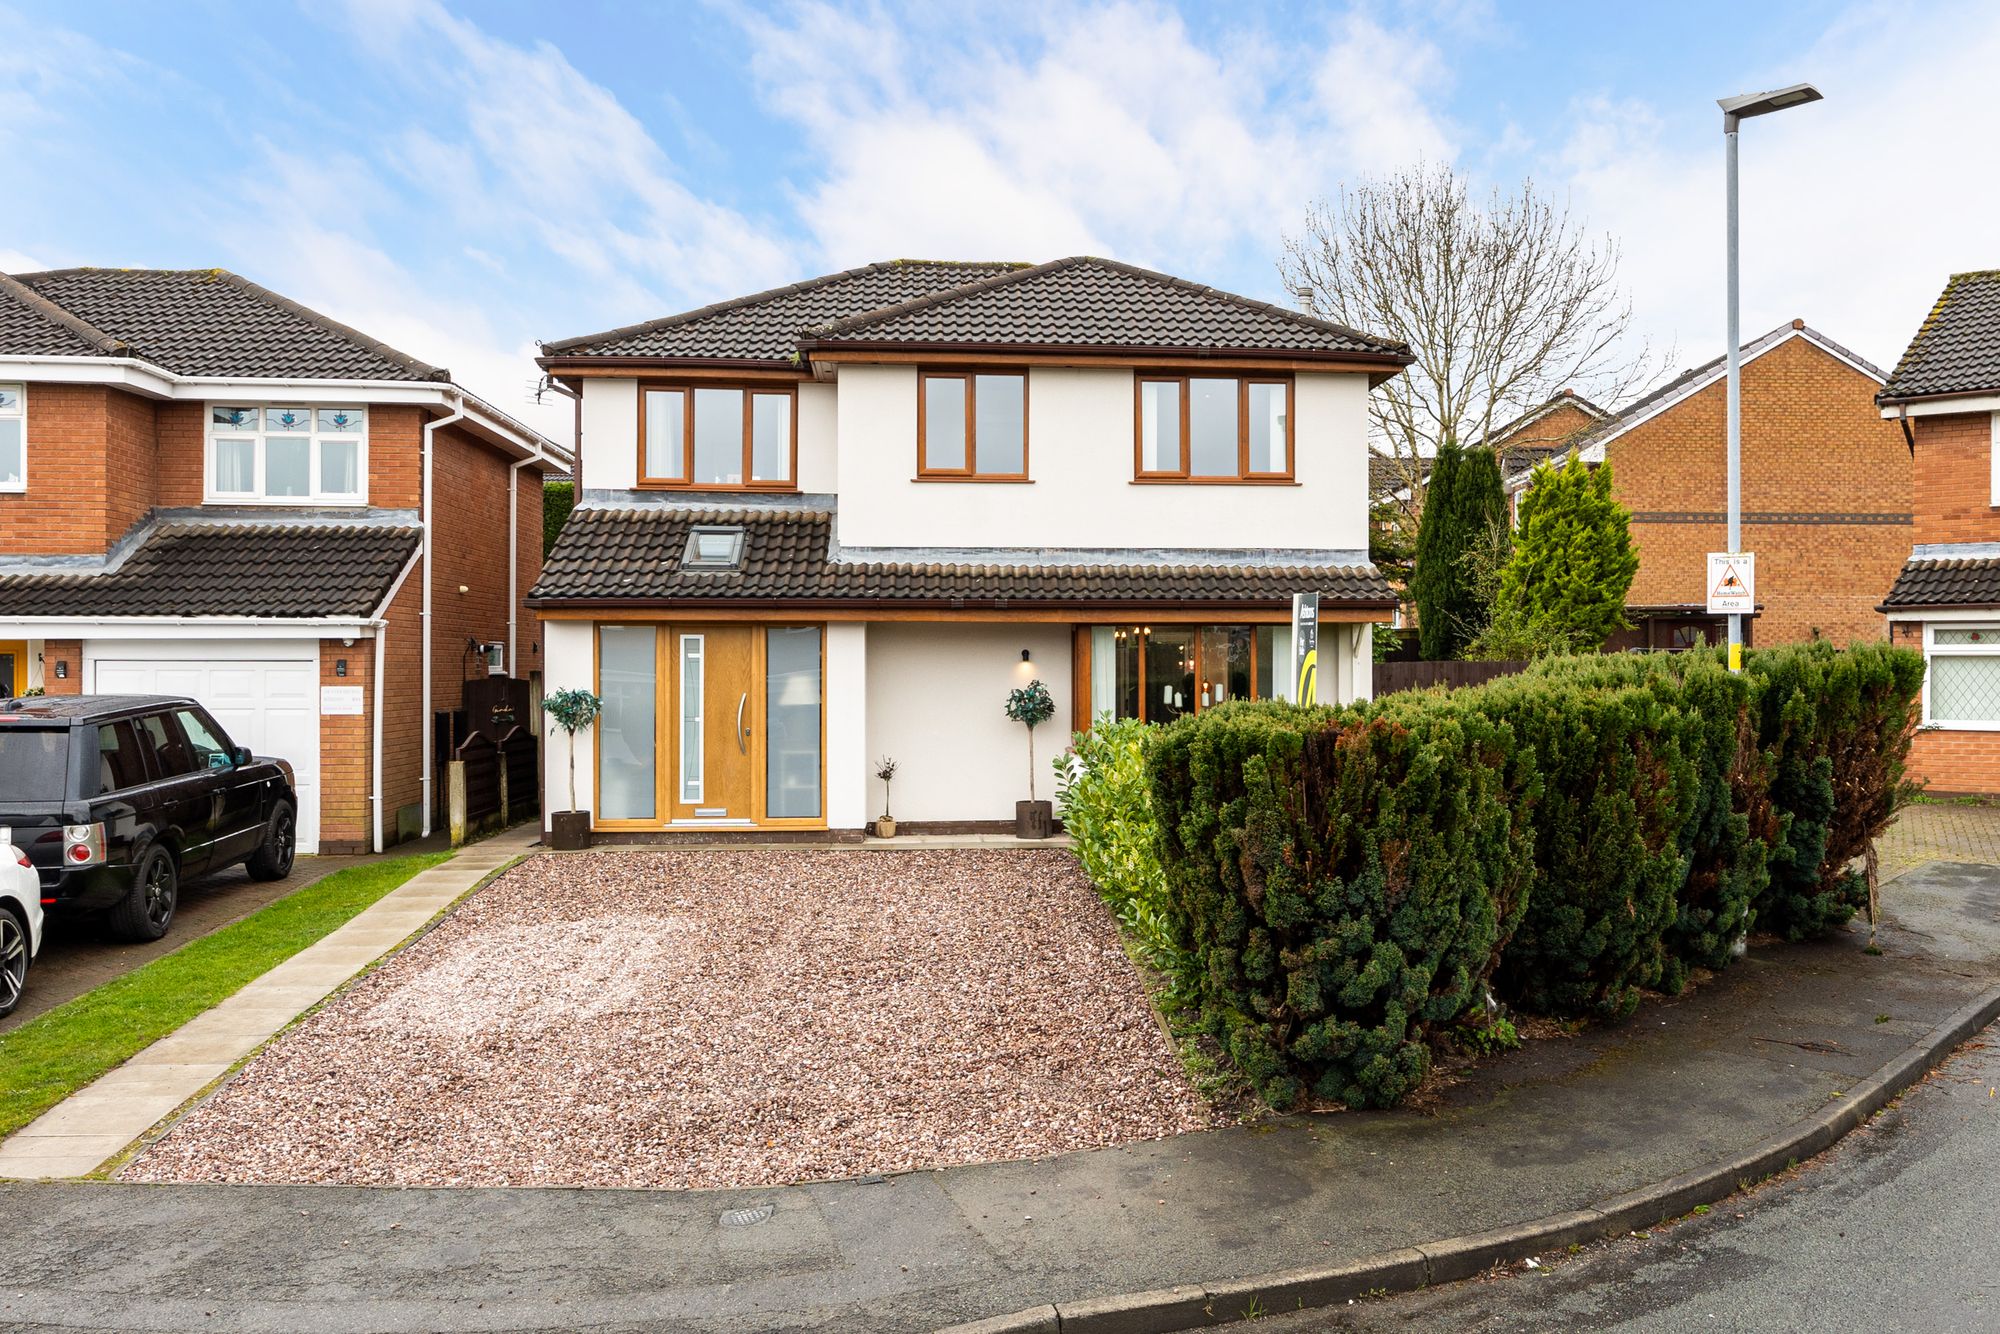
x=20, y=923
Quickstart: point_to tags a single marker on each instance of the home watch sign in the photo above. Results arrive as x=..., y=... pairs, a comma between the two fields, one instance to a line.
x=1732, y=583
x=1305, y=647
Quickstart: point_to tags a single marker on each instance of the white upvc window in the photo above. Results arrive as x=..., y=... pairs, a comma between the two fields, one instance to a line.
x=13, y=437
x=275, y=455
x=1993, y=456
x=1962, y=680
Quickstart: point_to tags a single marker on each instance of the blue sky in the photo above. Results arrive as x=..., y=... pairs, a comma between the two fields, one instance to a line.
x=462, y=180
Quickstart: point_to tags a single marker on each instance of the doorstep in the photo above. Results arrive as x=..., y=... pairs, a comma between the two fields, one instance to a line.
x=97, y=1122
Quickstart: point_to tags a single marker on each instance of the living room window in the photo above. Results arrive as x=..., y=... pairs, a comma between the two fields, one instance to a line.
x=972, y=426
x=304, y=455
x=1159, y=672
x=1962, y=685
x=13, y=437
x=705, y=437
x=1209, y=428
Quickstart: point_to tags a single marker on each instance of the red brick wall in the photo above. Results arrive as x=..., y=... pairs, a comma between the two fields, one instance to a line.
x=1954, y=482
x=1813, y=443
x=471, y=553
x=402, y=705
x=180, y=459
x=65, y=651
x=90, y=471
x=396, y=457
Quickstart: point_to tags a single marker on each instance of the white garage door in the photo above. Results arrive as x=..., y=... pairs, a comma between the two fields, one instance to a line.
x=270, y=705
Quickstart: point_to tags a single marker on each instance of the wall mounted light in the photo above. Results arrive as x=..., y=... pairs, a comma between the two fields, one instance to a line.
x=340, y=666
x=62, y=670
x=1024, y=655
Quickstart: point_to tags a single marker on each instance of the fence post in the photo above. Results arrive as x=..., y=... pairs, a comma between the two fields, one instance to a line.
x=454, y=783
x=506, y=811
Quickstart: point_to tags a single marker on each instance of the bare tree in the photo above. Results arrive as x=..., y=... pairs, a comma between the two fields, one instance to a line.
x=1503, y=304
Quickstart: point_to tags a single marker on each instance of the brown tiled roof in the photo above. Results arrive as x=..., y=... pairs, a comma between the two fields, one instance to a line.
x=1957, y=349
x=1945, y=583
x=633, y=555
x=1085, y=301
x=332, y=569
x=765, y=326
x=196, y=322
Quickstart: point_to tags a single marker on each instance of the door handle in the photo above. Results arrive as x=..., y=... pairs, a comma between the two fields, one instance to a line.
x=742, y=743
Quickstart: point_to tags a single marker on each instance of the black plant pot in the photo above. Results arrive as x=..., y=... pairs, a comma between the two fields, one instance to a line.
x=1034, y=819
x=569, y=831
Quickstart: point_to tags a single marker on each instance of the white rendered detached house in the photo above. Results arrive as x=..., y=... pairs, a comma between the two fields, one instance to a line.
x=842, y=520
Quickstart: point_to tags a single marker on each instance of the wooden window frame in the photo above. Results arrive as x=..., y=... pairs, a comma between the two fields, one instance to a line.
x=1084, y=706
x=686, y=388
x=970, y=472
x=1243, y=476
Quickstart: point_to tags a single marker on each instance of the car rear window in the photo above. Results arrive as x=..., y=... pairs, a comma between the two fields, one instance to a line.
x=34, y=764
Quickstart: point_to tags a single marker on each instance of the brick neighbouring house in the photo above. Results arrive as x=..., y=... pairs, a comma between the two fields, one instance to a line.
x=1826, y=494
x=1946, y=599
x=209, y=490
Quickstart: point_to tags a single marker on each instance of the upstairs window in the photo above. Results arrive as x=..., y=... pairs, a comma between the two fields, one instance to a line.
x=710, y=438
x=13, y=438
x=1207, y=428
x=287, y=456
x=972, y=426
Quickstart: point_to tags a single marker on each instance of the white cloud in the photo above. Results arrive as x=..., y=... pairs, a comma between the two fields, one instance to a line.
x=1111, y=129
x=1853, y=209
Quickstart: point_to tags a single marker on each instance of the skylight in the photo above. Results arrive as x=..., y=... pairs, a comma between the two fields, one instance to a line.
x=713, y=549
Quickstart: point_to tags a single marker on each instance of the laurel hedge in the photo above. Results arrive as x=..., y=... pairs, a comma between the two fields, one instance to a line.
x=1343, y=886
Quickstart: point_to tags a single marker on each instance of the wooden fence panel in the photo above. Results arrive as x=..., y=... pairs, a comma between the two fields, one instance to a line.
x=481, y=756
x=1391, y=677
x=519, y=757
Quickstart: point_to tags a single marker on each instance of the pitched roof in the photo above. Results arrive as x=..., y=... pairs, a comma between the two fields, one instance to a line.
x=627, y=555
x=190, y=322
x=1085, y=301
x=1568, y=398
x=204, y=568
x=765, y=326
x=1970, y=582
x=1957, y=348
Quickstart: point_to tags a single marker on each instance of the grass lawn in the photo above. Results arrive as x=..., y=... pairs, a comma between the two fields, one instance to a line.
x=45, y=1061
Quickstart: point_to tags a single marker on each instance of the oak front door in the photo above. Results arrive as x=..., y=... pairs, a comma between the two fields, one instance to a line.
x=714, y=721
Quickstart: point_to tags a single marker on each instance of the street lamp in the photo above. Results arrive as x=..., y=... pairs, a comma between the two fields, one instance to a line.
x=1734, y=110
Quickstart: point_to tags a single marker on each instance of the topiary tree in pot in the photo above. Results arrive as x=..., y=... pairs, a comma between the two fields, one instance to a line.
x=1031, y=705
x=572, y=710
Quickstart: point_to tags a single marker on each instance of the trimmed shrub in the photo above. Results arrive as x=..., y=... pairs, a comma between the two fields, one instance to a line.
x=1618, y=786
x=558, y=499
x=1837, y=724
x=1728, y=837
x=1341, y=881
x=1108, y=814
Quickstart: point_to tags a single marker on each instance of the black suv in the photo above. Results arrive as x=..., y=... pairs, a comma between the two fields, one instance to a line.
x=115, y=798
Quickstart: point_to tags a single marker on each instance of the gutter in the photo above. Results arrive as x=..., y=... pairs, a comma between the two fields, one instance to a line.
x=429, y=732
x=381, y=624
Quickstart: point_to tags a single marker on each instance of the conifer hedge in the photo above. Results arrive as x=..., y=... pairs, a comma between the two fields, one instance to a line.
x=1342, y=885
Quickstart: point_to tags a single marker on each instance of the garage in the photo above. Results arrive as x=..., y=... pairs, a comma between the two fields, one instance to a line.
x=264, y=692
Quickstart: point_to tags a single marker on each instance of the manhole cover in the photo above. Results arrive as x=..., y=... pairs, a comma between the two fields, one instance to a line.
x=750, y=1217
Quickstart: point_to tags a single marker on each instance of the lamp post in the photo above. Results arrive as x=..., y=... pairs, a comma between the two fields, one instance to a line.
x=1734, y=110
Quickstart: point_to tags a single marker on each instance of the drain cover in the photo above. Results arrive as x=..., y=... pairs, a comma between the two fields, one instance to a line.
x=750, y=1217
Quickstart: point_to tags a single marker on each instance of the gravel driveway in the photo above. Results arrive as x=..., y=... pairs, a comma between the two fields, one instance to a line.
x=713, y=1018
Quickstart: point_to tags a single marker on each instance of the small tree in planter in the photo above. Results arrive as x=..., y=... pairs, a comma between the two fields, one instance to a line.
x=1031, y=705
x=886, y=826
x=572, y=710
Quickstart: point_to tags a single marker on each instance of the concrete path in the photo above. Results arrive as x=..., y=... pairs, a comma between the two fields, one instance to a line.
x=1565, y=1122
x=1941, y=831
x=77, y=1135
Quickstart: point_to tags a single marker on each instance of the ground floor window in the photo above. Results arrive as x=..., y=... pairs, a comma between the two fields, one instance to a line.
x=710, y=724
x=1962, y=688
x=1159, y=672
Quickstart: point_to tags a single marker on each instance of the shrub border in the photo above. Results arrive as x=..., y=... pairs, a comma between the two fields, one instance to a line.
x=1197, y=1305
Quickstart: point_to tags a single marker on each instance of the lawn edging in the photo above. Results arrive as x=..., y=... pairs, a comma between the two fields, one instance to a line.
x=56, y=1054
x=1196, y=1305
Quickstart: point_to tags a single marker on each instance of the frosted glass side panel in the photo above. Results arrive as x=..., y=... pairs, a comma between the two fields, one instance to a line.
x=626, y=761
x=792, y=715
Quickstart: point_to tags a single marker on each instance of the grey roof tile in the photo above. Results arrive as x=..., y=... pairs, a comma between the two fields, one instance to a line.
x=1085, y=301
x=765, y=326
x=634, y=555
x=1957, y=349
x=204, y=322
x=1945, y=583
x=225, y=569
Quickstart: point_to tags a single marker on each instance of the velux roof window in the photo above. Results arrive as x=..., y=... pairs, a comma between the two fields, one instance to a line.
x=710, y=548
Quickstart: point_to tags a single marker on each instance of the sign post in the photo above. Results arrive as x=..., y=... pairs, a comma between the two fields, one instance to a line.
x=1305, y=647
x=1732, y=591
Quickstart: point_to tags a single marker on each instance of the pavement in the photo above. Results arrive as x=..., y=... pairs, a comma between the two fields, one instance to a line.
x=1773, y=1041
x=1895, y=1228
x=1959, y=830
x=98, y=1121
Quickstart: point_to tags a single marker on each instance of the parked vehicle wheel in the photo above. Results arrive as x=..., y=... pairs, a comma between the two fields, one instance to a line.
x=13, y=961
x=273, y=858
x=148, y=910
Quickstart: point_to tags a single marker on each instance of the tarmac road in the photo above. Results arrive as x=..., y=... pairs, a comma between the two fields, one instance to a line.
x=1897, y=1228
